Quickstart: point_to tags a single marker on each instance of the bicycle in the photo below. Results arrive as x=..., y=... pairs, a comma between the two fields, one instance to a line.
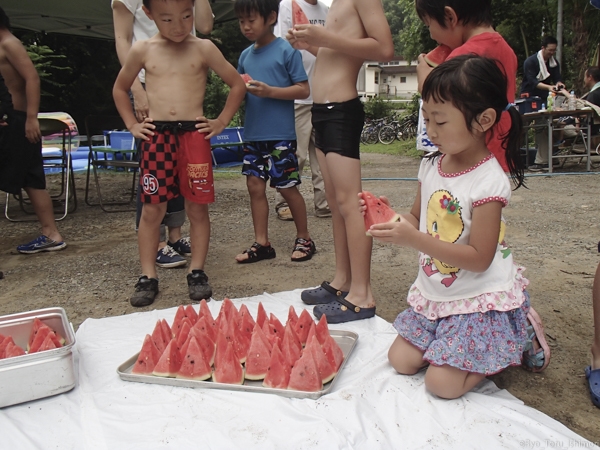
x=370, y=132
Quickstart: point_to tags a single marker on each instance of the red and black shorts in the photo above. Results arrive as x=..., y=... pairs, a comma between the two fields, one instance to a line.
x=176, y=161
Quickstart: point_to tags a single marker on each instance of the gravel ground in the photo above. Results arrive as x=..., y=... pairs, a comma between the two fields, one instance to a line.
x=552, y=228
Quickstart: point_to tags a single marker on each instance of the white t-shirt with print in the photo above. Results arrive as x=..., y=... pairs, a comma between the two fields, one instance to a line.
x=447, y=205
x=316, y=16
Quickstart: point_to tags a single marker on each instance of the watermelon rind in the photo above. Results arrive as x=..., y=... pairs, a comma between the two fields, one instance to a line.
x=438, y=55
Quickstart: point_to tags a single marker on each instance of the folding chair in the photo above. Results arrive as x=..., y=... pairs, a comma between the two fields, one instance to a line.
x=106, y=153
x=53, y=126
x=229, y=140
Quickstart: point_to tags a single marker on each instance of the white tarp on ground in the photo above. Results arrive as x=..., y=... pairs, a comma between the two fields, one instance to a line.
x=369, y=407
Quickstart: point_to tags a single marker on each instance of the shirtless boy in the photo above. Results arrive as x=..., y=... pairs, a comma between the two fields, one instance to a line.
x=21, y=165
x=355, y=30
x=175, y=152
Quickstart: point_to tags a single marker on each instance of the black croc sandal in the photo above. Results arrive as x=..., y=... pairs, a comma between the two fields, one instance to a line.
x=321, y=295
x=306, y=246
x=342, y=311
x=258, y=252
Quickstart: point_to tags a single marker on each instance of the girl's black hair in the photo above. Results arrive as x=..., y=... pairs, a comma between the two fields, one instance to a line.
x=4, y=22
x=263, y=7
x=473, y=84
x=478, y=12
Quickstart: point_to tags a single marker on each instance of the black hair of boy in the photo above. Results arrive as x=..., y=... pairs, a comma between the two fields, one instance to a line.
x=264, y=8
x=471, y=12
x=549, y=40
x=593, y=72
x=4, y=22
x=473, y=84
x=146, y=3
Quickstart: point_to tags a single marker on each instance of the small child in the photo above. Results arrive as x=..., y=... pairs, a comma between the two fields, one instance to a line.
x=468, y=306
x=466, y=27
x=175, y=152
x=278, y=78
x=21, y=164
x=354, y=31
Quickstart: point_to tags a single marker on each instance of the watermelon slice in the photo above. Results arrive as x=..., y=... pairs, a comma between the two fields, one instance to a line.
x=261, y=315
x=167, y=333
x=334, y=353
x=438, y=55
x=207, y=345
x=179, y=316
x=158, y=336
x=148, y=357
x=303, y=326
x=13, y=350
x=278, y=373
x=247, y=325
x=259, y=356
x=290, y=346
x=191, y=314
x=247, y=78
x=298, y=16
x=195, y=365
x=170, y=361
x=277, y=326
x=48, y=343
x=4, y=344
x=221, y=348
x=184, y=332
x=377, y=211
x=305, y=374
x=311, y=333
x=203, y=327
x=37, y=325
x=292, y=316
x=229, y=370
x=325, y=370
x=322, y=330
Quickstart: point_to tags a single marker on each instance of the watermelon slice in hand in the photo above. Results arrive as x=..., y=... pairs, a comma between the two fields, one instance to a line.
x=377, y=211
x=247, y=78
x=438, y=55
x=298, y=16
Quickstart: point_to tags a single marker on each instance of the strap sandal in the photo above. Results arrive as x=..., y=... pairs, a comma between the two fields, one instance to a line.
x=306, y=246
x=535, y=361
x=593, y=377
x=321, y=295
x=342, y=311
x=258, y=252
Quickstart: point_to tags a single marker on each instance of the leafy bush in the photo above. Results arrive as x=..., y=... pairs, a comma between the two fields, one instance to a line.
x=378, y=108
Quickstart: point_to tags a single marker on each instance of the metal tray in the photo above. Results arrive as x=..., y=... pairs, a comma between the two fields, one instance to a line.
x=345, y=339
x=37, y=375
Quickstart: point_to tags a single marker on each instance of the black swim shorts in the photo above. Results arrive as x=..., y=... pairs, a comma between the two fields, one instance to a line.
x=338, y=127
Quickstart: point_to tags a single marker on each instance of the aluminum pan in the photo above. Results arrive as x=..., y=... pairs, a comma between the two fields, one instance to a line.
x=37, y=375
x=345, y=339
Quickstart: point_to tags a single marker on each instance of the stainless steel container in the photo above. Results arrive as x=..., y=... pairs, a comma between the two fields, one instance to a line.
x=37, y=375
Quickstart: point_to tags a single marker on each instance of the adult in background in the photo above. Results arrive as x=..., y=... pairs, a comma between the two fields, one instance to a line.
x=315, y=11
x=541, y=75
x=21, y=164
x=131, y=24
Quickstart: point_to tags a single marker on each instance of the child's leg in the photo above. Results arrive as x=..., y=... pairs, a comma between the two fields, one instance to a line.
x=449, y=382
x=405, y=358
x=152, y=215
x=596, y=310
x=344, y=175
x=297, y=205
x=260, y=211
x=42, y=205
x=199, y=233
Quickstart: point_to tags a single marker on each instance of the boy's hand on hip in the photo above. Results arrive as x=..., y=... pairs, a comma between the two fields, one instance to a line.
x=143, y=130
x=212, y=127
x=259, y=88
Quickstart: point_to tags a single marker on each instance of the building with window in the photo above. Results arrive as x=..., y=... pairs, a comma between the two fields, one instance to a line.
x=394, y=79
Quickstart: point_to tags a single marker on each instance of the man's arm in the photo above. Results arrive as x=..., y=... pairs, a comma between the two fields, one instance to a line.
x=377, y=46
x=123, y=25
x=17, y=56
x=203, y=17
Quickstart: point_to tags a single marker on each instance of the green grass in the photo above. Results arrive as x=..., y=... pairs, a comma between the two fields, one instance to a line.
x=404, y=148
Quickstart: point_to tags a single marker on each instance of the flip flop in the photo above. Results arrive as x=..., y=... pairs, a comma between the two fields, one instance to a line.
x=532, y=360
x=321, y=295
x=342, y=311
x=593, y=377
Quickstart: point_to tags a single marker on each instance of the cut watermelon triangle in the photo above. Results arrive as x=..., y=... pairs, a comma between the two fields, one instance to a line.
x=298, y=16
x=247, y=325
x=438, y=55
x=241, y=343
x=184, y=331
x=4, y=344
x=37, y=323
x=334, y=353
x=290, y=349
x=230, y=311
x=325, y=370
x=259, y=356
x=303, y=326
x=221, y=348
x=292, y=316
x=377, y=211
x=191, y=314
x=277, y=326
x=194, y=365
x=40, y=334
x=261, y=315
x=49, y=343
x=278, y=373
x=229, y=370
x=305, y=374
x=170, y=361
x=203, y=326
x=158, y=336
x=268, y=334
x=205, y=311
x=167, y=333
x=207, y=345
x=322, y=330
x=311, y=332
x=148, y=357
x=13, y=350
x=244, y=312
x=179, y=316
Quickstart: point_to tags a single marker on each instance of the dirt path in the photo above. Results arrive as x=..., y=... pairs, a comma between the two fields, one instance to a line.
x=552, y=228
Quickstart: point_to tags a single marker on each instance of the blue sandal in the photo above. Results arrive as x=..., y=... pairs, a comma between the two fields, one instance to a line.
x=593, y=377
x=321, y=295
x=342, y=311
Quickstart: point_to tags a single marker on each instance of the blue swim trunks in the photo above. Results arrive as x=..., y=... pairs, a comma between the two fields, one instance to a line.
x=274, y=160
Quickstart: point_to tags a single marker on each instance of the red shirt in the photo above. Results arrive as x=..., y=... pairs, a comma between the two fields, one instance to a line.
x=492, y=45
